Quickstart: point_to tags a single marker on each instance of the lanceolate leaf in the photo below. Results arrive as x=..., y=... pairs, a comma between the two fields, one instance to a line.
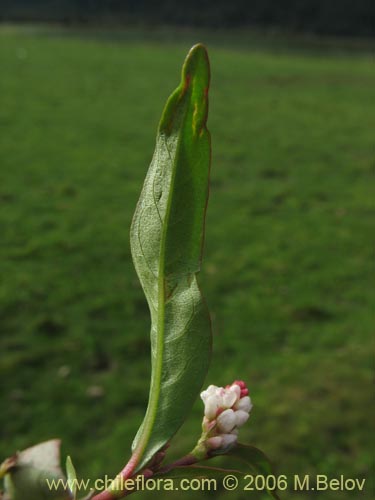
x=166, y=242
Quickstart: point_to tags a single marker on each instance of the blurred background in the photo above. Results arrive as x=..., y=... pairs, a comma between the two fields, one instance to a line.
x=333, y=17
x=287, y=268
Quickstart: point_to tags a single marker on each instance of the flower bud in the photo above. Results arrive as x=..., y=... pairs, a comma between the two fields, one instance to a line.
x=215, y=442
x=226, y=421
x=244, y=404
x=228, y=440
x=241, y=417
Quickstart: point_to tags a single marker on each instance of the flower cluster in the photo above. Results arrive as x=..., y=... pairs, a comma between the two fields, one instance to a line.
x=225, y=410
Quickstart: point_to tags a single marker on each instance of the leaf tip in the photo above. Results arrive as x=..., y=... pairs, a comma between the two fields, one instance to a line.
x=197, y=62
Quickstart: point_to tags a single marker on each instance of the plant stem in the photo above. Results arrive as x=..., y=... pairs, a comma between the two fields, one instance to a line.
x=181, y=462
x=147, y=473
x=112, y=495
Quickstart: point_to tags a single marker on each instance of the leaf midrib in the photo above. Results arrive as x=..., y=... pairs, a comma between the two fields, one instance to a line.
x=154, y=396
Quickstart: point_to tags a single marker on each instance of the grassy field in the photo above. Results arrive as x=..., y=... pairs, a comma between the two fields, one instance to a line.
x=287, y=269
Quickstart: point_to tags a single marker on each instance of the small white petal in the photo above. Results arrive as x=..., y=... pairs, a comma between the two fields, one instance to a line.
x=215, y=442
x=244, y=404
x=203, y=396
x=236, y=389
x=226, y=421
x=229, y=398
x=210, y=391
x=241, y=417
x=219, y=392
x=228, y=440
x=210, y=407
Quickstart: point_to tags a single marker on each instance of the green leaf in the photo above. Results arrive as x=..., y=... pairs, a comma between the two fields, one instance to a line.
x=32, y=472
x=255, y=459
x=166, y=242
x=71, y=476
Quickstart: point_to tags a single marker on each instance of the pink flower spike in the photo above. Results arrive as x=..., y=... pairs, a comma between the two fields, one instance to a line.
x=226, y=409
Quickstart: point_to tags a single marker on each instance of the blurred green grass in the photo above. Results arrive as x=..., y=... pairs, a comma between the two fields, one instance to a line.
x=287, y=268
